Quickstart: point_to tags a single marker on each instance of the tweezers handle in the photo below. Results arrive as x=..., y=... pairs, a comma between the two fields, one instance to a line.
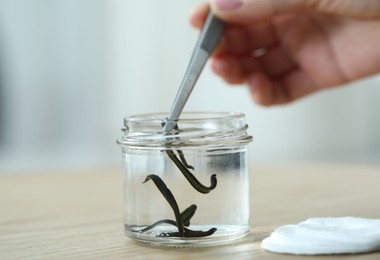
x=210, y=34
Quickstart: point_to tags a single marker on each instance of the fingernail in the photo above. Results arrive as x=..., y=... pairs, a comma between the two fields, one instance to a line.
x=218, y=66
x=226, y=4
x=252, y=82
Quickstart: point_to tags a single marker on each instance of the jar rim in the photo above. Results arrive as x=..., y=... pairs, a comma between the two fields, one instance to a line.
x=195, y=129
x=185, y=116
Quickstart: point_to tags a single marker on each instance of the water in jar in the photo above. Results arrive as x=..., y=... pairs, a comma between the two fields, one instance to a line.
x=224, y=211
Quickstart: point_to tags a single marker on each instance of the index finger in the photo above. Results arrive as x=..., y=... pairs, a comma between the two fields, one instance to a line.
x=198, y=15
x=237, y=39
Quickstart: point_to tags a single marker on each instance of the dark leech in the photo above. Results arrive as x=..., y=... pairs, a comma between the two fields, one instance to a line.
x=190, y=177
x=169, y=198
x=190, y=233
x=199, y=233
x=186, y=216
x=183, y=160
x=183, y=218
x=163, y=221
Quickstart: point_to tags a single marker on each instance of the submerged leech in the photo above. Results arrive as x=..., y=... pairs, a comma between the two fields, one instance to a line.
x=169, y=198
x=182, y=219
x=190, y=177
x=183, y=160
x=160, y=222
x=190, y=233
x=186, y=216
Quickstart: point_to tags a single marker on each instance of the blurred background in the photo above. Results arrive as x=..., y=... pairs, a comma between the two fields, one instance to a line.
x=70, y=70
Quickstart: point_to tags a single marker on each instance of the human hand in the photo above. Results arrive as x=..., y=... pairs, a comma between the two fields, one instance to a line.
x=286, y=49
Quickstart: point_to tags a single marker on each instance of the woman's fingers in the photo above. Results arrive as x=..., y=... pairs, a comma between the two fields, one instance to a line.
x=229, y=69
x=245, y=40
x=198, y=15
x=237, y=39
x=268, y=91
x=251, y=54
x=264, y=89
x=260, y=35
x=245, y=12
x=277, y=61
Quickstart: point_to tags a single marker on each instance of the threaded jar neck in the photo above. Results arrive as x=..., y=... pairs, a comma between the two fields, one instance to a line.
x=194, y=130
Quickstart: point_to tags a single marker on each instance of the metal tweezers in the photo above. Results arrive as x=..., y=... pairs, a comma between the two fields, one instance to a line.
x=207, y=40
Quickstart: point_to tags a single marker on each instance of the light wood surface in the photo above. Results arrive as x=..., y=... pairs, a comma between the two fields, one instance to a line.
x=78, y=215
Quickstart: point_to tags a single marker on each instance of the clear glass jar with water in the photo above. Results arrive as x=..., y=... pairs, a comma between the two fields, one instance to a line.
x=187, y=187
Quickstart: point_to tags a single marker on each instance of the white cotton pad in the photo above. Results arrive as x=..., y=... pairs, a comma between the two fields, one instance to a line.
x=317, y=236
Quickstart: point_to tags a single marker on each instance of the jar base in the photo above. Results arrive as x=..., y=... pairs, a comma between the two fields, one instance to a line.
x=225, y=234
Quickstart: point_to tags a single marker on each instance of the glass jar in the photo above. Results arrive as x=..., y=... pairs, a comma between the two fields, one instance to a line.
x=187, y=187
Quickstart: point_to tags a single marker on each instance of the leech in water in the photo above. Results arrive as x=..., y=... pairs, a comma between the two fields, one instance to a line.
x=169, y=198
x=190, y=233
x=180, y=153
x=183, y=160
x=186, y=216
x=182, y=219
x=155, y=224
x=190, y=177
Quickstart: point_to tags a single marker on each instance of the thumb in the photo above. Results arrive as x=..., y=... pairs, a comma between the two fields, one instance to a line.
x=248, y=11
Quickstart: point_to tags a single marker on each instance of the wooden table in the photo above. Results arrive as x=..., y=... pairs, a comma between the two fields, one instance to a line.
x=78, y=215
